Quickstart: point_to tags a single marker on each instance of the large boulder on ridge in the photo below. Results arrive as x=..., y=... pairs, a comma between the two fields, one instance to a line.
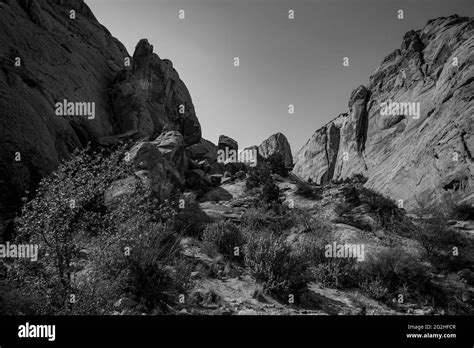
x=277, y=143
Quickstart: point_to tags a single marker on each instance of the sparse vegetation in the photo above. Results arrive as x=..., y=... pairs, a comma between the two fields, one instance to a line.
x=274, y=263
x=276, y=164
x=309, y=190
x=223, y=237
x=462, y=212
x=270, y=192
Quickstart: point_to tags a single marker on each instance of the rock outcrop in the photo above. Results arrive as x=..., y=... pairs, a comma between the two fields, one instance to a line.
x=171, y=146
x=55, y=51
x=203, y=150
x=227, y=142
x=411, y=130
x=150, y=98
x=277, y=143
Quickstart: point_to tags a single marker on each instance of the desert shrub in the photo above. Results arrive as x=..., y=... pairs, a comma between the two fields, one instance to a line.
x=152, y=252
x=462, y=212
x=67, y=218
x=278, y=221
x=355, y=179
x=396, y=269
x=274, y=264
x=447, y=249
x=383, y=207
x=257, y=176
x=359, y=178
x=270, y=192
x=337, y=273
x=276, y=164
x=375, y=288
x=402, y=226
x=68, y=206
x=331, y=272
x=309, y=191
x=256, y=218
x=309, y=223
x=223, y=237
x=190, y=220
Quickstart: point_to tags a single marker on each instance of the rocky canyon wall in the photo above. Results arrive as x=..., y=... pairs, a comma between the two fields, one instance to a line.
x=420, y=156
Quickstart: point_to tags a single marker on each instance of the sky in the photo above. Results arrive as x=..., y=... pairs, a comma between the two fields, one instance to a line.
x=282, y=61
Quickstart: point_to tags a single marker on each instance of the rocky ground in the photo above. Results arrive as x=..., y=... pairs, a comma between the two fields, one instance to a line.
x=222, y=287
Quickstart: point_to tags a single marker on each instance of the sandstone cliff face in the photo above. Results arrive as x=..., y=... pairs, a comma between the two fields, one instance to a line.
x=277, y=143
x=420, y=158
x=46, y=57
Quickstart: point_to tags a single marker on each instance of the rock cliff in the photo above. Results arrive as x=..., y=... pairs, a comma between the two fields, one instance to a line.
x=411, y=130
x=57, y=52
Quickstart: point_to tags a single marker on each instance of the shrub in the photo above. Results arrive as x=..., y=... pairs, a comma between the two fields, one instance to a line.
x=312, y=224
x=384, y=208
x=270, y=192
x=223, y=237
x=277, y=221
x=274, y=264
x=355, y=179
x=68, y=206
x=257, y=176
x=309, y=191
x=462, y=212
x=276, y=164
x=331, y=272
x=190, y=220
x=337, y=273
x=397, y=269
x=440, y=241
x=63, y=231
x=153, y=250
x=375, y=288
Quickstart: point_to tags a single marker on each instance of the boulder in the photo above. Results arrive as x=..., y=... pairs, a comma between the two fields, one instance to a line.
x=171, y=146
x=217, y=194
x=150, y=165
x=197, y=179
x=227, y=142
x=216, y=179
x=203, y=150
x=277, y=143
